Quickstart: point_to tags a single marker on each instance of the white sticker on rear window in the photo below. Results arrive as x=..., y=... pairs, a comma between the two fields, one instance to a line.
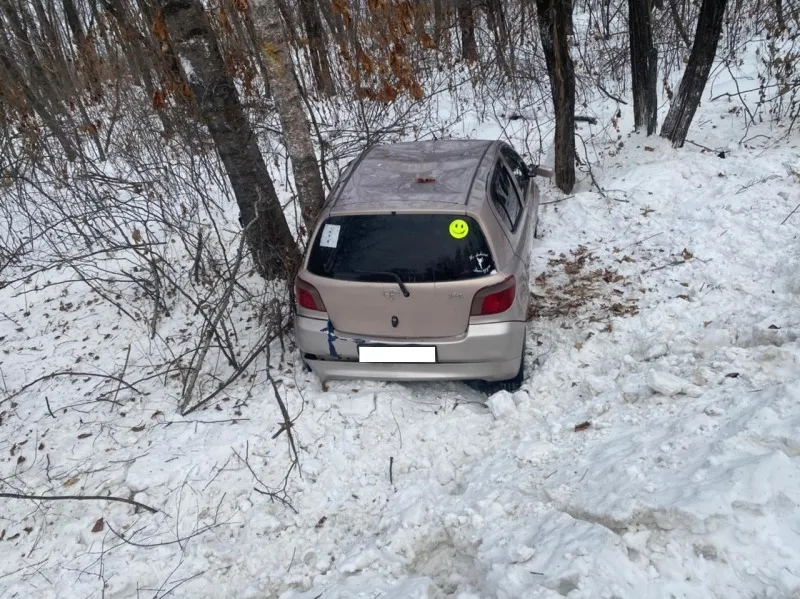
x=330, y=236
x=481, y=263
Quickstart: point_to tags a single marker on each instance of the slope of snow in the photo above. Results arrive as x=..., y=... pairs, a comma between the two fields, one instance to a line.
x=653, y=451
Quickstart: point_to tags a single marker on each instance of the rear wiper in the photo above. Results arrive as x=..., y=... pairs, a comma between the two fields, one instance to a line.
x=386, y=273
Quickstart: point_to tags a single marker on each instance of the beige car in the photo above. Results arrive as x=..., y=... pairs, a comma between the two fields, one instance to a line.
x=418, y=267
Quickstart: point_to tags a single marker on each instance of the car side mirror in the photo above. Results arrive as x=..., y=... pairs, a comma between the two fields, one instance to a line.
x=534, y=170
x=542, y=171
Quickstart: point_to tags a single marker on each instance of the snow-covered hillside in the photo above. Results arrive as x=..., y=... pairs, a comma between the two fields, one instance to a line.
x=652, y=452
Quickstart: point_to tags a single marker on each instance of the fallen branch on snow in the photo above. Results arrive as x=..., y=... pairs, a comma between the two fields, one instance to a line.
x=790, y=214
x=71, y=373
x=152, y=510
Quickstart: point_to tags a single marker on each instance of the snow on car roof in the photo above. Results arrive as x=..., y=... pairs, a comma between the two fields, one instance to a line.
x=429, y=174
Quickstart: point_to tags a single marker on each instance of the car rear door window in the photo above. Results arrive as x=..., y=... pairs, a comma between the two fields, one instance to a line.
x=518, y=168
x=419, y=248
x=505, y=196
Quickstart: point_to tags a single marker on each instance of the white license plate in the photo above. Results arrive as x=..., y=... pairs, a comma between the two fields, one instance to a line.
x=397, y=354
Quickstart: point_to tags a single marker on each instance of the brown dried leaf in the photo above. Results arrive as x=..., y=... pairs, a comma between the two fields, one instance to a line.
x=99, y=525
x=71, y=482
x=84, y=435
x=732, y=375
x=271, y=51
x=319, y=524
x=686, y=254
x=138, y=429
x=159, y=99
x=416, y=92
x=582, y=426
x=160, y=27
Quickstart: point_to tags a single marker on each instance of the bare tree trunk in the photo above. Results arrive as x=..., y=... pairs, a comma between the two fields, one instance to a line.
x=554, y=18
x=693, y=82
x=274, y=250
x=291, y=109
x=438, y=21
x=291, y=29
x=138, y=49
x=334, y=21
x=420, y=16
x=466, y=23
x=317, y=47
x=497, y=23
x=644, y=66
x=39, y=107
x=676, y=17
x=86, y=53
x=37, y=88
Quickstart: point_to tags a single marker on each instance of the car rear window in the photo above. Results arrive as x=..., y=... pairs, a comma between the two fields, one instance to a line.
x=419, y=248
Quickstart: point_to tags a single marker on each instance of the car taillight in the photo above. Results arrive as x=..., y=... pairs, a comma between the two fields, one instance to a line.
x=495, y=299
x=308, y=297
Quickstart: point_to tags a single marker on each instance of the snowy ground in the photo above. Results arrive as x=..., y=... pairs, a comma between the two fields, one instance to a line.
x=653, y=451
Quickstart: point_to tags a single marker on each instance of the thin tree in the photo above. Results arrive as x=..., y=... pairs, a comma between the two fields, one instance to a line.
x=438, y=21
x=317, y=46
x=270, y=241
x=644, y=65
x=496, y=20
x=555, y=23
x=693, y=82
x=466, y=23
x=291, y=108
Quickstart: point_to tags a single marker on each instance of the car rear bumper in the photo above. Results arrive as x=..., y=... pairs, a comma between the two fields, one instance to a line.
x=489, y=352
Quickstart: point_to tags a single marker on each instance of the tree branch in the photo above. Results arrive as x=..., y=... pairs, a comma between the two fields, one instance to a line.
x=70, y=373
x=152, y=510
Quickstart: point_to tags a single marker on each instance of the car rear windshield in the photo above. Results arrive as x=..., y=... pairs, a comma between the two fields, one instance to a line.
x=417, y=248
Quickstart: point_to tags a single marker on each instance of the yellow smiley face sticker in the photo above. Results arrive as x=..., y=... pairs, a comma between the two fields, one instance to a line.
x=459, y=229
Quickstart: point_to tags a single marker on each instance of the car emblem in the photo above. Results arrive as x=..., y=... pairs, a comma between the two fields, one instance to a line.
x=390, y=294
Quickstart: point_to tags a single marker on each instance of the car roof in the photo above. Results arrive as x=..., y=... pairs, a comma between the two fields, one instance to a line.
x=429, y=175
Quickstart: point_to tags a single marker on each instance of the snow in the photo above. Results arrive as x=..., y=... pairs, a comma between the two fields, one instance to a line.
x=666, y=383
x=652, y=452
x=502, y=405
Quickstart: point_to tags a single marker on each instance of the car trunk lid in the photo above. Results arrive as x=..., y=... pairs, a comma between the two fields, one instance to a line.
x=399, y=275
